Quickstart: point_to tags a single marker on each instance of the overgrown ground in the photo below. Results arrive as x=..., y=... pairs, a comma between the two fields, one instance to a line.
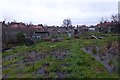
x=65, y=59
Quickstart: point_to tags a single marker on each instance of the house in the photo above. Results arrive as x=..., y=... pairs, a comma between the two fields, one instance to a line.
x=52, y=30
x=105, y=27
x=91, y=28
x=82, y=29
x=40, y=32
x=38, y=35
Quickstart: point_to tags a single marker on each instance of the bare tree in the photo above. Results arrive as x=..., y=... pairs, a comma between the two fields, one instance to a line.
x=7, y=18
x=67, y=22
x=114, y=18
x=30, y=23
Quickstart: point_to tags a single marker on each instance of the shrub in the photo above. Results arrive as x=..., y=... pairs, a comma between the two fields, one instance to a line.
x=20, y=38
x=29, y=42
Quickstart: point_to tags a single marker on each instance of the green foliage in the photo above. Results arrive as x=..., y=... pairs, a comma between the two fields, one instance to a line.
x=20, y=49
x=20, y=38
x=53, y=36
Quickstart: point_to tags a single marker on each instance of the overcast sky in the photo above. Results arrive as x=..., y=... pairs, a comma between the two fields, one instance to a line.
x=52, y=12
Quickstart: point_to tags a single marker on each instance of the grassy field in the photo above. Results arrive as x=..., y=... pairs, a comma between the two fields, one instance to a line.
x=64, y=59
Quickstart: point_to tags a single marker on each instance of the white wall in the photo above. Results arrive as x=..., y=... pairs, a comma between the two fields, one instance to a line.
x=91, y=29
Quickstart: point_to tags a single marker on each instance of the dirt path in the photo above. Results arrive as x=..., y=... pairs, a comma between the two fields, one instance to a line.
x=107, y=58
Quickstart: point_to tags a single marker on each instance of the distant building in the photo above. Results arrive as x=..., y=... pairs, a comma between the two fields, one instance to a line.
x=82, y=29
x=105, y=27
x=92, y=28
x=38, y=35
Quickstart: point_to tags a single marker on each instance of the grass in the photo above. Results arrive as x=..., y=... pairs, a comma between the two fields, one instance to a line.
x=16, y=50
x=80, y=64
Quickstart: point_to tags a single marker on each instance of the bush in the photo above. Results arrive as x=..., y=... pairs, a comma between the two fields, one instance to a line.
x=20, y=38
x=29, y=42
x=53, y=36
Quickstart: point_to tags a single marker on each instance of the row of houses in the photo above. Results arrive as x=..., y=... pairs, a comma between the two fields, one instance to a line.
x=10, y=30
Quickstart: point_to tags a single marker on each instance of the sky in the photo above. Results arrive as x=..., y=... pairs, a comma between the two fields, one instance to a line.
x=53, y=12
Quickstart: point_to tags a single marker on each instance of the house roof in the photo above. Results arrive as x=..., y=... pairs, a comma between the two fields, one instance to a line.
x=38, y=28
x=17, y=26
x=22, y=25
x=105, y=24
